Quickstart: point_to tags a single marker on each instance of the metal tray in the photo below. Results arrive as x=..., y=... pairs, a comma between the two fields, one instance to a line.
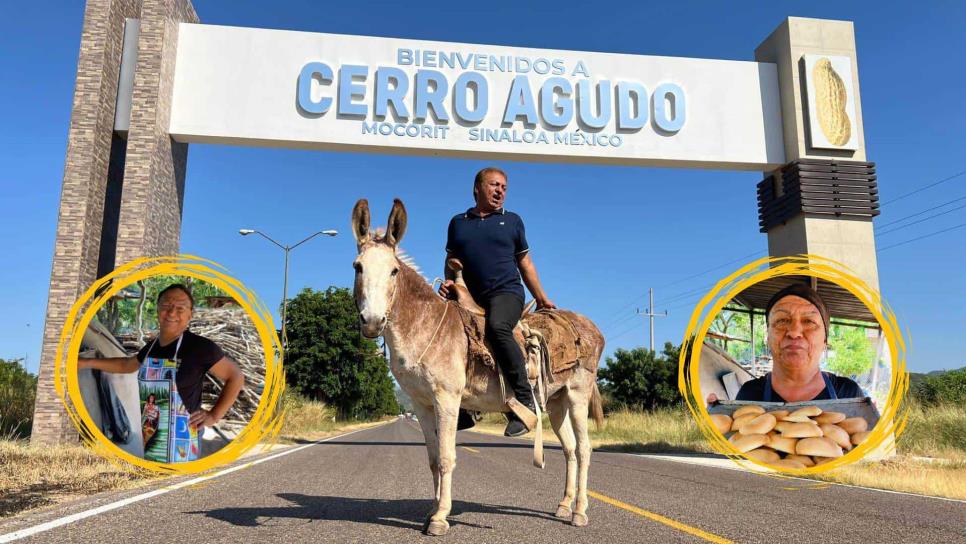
x=850, y=407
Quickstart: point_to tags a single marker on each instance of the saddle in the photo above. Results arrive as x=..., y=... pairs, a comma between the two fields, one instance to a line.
x=550, y=342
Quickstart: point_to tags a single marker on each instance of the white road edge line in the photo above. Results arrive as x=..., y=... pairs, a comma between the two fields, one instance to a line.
x=739, y=468
x=30, y=531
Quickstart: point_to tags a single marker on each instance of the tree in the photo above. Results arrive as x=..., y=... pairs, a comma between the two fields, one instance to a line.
x=850, y=353
x=17, y=392
x=641, y=379
x=328, y=359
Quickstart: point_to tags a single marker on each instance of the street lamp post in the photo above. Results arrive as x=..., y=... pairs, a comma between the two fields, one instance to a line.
x=286, y=249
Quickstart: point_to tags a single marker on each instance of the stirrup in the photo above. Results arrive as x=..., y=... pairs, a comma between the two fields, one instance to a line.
x=526, y=415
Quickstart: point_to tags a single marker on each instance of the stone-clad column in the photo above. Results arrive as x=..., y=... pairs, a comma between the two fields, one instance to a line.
x=151, y=204
x=79, y=222
x=149, y=176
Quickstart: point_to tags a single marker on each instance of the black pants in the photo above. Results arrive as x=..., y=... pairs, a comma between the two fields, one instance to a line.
x=503, y=311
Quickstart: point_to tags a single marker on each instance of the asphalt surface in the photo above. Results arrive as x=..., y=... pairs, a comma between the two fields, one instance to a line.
x=374, y=486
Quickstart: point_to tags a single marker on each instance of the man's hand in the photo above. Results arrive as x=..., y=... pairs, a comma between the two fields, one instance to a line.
x=444, y=288
x=202, y=418
x=545, y=304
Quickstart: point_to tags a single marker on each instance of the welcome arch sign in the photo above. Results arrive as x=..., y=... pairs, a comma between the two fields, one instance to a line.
x=152, y=80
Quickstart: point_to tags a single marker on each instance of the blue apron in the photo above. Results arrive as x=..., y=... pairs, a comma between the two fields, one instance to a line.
x=168, y=438
x=828, y=387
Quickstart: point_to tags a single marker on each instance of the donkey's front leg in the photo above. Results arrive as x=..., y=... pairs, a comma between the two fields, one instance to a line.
x=447, y=411
x=427, y=422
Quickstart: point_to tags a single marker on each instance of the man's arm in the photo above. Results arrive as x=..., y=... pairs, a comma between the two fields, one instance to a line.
x=116, y=365
x=444, y=288
x=528, y=271
x=233, y=379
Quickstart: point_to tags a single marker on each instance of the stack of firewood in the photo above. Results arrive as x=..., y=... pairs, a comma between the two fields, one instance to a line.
x=233, y=330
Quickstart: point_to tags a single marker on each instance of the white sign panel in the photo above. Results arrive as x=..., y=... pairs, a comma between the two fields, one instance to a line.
x=831, y=102
x=325, y=91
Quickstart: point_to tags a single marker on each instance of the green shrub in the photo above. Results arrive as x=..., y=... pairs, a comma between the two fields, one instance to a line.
x=18, y=390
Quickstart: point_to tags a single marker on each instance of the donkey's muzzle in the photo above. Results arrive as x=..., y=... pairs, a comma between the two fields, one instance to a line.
x=371, y=328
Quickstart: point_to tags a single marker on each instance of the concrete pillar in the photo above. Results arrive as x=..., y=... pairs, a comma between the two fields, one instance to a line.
x=850, y=241
x=153, y=196
x=143, y=175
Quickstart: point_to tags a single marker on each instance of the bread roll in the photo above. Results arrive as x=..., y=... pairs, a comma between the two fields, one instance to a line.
x=782, y=443
x=782, y=425
x=739, y=421
x=789, y=464
x=829, y=417
x=860, y=437
x=803, y=414
x=764, y=455
x=747, y=442
x=748, y=409
x=760, y=425
x=821, y=446
x=803, y=459
x=779, y=414
x=837, y=434
x=801, y=430
x=819, y=460
x=721, y=422
x=854, y=425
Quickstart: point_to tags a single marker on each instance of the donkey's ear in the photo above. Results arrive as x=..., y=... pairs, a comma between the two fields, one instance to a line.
x=397, y=223
x=360, y=222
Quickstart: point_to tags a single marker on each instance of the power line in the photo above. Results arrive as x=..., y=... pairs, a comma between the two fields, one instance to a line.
x=743, y=257
x=921, y=189
x=619, y=320
x=889, y=231
x=944, y=204
x=924, y=236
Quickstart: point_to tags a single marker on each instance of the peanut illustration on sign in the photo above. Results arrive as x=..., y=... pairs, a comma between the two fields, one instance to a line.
x=830, y=99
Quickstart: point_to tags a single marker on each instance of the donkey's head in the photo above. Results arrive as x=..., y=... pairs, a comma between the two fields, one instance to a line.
x=377, y=267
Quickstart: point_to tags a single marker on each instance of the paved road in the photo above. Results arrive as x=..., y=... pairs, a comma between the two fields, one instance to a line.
x=372, y=486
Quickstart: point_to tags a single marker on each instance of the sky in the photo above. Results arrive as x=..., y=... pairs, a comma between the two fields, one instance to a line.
x=600, y=235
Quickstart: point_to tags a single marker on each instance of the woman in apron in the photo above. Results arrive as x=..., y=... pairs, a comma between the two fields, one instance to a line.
x=171, y=371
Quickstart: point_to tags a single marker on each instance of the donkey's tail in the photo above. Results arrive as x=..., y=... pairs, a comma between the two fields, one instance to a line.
x=597, y=407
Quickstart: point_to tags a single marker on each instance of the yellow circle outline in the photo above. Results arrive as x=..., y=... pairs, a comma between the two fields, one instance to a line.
x=892, y=418
x=265, y=423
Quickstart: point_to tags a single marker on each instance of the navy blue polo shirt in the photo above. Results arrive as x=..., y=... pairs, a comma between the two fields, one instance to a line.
x=489, y=248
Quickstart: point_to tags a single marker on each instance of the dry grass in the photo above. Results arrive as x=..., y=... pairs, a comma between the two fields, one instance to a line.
x=905, y=473
x=32, y=476
x=935, y=431
x=308, y=420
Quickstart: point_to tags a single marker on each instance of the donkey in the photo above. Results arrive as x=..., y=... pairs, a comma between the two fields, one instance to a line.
x=428, y=357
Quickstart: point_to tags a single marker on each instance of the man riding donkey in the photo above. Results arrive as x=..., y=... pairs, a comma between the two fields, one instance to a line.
x=491, y=245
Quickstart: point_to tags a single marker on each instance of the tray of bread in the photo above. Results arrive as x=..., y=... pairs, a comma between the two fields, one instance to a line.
x=795, y=435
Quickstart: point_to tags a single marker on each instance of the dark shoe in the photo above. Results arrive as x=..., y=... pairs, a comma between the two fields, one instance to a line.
x=515, y=427
x=466, y=420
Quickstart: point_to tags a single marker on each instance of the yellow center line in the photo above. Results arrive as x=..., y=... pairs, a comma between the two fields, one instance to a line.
x=661, y=519
x=467, y=448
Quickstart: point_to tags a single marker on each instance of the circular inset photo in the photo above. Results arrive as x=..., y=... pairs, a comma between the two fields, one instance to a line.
x=793, y=369
x=171, y=369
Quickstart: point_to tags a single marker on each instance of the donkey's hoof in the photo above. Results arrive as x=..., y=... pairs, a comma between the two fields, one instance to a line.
x=564, y=512
x=437, y=527
x=579, y=520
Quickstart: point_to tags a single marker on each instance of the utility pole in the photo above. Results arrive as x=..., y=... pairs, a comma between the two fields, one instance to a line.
x=649, y=313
